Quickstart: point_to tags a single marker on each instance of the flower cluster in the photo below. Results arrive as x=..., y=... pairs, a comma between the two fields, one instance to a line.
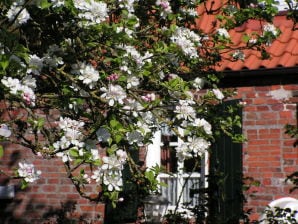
x=22, y=88
x=193, y=147
x=93, y=12
x=110, y=173
x=72, y=138
x=187, y=40
x=165, y=7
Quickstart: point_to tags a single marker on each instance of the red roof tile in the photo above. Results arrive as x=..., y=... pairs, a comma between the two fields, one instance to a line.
x=283, y=51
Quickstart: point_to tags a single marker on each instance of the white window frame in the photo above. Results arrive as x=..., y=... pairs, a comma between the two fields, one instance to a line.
x=153, y=158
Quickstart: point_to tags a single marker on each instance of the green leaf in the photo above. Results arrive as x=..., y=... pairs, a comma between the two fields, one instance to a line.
x=44, y=4
x=74, y=152
x=24, y=184
x=4, y=63
x=114, y=123
x=1, y=151
x=118, y=137
x=78, y=161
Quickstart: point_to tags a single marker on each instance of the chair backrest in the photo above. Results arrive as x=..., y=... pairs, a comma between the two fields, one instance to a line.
x=285, y=202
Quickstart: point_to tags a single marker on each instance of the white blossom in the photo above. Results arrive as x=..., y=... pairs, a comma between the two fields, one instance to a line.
x=87, y=73
x=4, y=130
x=97, y=175
x=113, y=180
x=133, y=106
x=111, y=163
x=184, y=110
x=35, y=64
x=135, y=137
x=71, y=136
x=29, y=81
x=187, y=40
x=271, y=29
x=203, y=123
x=121, y=155
x=183, y=152
x=191, y=12
x=17, y=10
x=218, y=94
x=128, y=4
x=199, y=83
x=92, y=11
x=57, y=3
x=113, y=94
x=198, y=145
x=132, y=52
x=238, y=55
x=223, y=32
x=132, y=81
x=65, y=156
x=103, y=134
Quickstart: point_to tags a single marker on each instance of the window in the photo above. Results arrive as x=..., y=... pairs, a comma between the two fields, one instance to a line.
x=225, y=162
x=180, y=177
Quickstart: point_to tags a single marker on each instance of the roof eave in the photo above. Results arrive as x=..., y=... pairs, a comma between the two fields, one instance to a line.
x=260, y=77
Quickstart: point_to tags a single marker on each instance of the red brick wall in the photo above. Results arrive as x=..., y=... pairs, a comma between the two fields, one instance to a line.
x=51, y=199
x=268, y=154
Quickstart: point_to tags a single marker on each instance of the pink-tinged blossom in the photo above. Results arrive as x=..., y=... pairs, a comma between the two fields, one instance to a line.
x=18, y=88
x=28, y=172
x=113, y=77
x=165, y=6
x=149, y=97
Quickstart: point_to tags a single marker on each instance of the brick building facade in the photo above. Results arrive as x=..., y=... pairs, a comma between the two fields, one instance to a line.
x=269, y=155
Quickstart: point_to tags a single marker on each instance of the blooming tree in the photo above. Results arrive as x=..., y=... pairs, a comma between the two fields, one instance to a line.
x=89, y=81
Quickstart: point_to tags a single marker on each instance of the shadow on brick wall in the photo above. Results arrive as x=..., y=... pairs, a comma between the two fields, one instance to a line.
x=40, y=214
